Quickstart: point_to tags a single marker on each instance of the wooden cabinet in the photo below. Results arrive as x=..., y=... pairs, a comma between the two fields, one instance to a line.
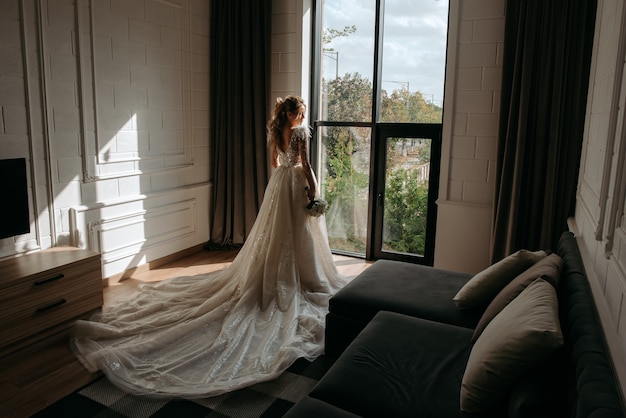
x=43, y=293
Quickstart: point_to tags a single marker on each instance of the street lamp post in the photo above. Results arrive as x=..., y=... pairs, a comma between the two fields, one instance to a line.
x=330, y=54
x=404, y=84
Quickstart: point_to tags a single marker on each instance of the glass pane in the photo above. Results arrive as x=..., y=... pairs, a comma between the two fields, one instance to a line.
x=344, y=180
x=414, y=58
x=406, y=195
x=347, y=60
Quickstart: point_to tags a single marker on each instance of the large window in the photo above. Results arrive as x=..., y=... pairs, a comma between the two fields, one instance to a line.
x=377, y=104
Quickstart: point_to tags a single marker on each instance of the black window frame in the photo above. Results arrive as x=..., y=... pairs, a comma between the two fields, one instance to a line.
x=377, y=151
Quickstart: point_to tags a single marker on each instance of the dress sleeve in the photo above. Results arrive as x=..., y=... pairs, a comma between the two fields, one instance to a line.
x=300, y=137
x=301, y=133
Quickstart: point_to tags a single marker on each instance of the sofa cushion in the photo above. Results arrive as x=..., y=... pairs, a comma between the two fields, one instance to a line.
x=399, y=366
x=548, y=268
x=411, y=289
x=522, y=335
x=484, y=286
x=480, y=290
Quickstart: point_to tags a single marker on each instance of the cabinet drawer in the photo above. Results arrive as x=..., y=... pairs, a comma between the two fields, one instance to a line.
x=54, y=312
x=47, y=299
x=50, y=283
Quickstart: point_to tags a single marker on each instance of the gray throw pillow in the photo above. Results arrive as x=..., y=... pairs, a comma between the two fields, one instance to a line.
x=548, y=268
x=480, y=290
x=521, y=336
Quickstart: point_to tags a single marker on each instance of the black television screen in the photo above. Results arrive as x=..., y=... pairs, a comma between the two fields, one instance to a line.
x=14, y=214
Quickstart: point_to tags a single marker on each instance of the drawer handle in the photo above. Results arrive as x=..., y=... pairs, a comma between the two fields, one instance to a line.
x=51, y=279
x=52, y=305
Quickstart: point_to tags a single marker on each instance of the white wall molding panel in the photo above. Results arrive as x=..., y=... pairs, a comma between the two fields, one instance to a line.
x=137, y=95
x=108, y=101
x=132, y=232
x=22, y=121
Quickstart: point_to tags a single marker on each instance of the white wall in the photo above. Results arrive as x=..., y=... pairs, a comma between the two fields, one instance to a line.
x=290, y=44
x=599, y=221
x=470, y=128
x=108, y=101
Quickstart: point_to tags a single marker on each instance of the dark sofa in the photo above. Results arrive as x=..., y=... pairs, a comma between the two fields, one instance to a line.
x=402, y=347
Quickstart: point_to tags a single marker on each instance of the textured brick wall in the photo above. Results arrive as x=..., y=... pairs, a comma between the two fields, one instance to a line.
x=115, y=127
x=476, y=101
x=287, y=42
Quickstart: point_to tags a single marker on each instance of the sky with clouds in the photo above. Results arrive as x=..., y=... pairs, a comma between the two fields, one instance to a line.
x=414, y=43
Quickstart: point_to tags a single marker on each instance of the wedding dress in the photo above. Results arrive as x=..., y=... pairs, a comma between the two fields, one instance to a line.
x=204, y=335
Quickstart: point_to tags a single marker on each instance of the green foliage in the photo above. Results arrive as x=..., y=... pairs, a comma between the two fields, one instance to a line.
x=403, y=106
x=406, y=205
x=348, y=98
x=330, y=34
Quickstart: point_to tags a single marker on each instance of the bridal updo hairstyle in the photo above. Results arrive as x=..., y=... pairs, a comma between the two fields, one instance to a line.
x=279, y=118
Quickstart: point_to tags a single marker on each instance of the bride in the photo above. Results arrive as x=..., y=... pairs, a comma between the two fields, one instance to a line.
x=204, y=335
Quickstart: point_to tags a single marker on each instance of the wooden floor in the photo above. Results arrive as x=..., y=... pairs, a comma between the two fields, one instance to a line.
x=35, y=378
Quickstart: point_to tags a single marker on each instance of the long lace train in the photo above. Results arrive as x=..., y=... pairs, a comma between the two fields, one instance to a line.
x=199, y=336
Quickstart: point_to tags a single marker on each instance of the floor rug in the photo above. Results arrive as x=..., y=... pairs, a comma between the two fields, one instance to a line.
x=268, y=399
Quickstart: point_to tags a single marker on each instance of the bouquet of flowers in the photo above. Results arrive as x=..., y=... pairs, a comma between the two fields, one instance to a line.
x=316, y=207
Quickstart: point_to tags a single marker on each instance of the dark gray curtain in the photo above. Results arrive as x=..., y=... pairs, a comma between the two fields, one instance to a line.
x=547, y=55
x=239, y=88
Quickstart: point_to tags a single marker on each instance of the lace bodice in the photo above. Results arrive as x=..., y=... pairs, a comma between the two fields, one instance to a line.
x=291, y=157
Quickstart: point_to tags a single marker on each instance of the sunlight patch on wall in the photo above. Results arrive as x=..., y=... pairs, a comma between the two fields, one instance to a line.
x=139, y=88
